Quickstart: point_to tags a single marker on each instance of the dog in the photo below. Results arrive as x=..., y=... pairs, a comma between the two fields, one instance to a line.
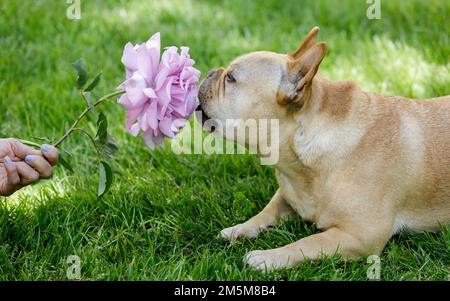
x=360, y=165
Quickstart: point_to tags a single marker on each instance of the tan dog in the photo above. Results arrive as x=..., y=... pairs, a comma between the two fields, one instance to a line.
x=360, y=165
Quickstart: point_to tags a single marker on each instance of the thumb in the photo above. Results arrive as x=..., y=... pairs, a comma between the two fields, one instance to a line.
x=50, y=153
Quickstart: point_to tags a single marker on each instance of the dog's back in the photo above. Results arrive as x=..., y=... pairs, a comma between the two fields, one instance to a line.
x=424, y=134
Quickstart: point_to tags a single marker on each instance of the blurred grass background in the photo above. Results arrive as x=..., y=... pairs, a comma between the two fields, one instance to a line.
x=160, y=219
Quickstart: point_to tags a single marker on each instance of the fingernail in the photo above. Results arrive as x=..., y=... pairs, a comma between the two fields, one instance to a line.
x=7, y=160
x=45, y=148
x=28, y=158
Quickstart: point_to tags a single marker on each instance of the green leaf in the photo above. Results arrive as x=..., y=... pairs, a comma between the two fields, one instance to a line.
x=107, y=149
x=65, y=151
x=111, y=144
x=45, y=139
x=83, y=73
x=102, y=129
x=104, y=178
x=104, y=142
x=94, y=82
x=30, y=143
x=87, y=97
x=65, y=163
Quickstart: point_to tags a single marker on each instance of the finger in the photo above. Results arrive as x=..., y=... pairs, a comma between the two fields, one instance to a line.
x=12, y=176
x=41, y=165
x=27, y=173
x=20, y=150
x=50, y=153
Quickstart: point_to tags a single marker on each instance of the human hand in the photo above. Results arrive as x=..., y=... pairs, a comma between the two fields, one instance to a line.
x=21, y=165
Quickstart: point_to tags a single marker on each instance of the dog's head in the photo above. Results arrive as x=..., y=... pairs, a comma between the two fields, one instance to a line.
x=262, y=85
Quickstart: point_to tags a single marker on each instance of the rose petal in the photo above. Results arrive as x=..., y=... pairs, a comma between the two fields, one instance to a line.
x=177, y=124
x=134, y=129
x=154, y=41
x=164, y=97
x=184, y=51
x=123, y=100
x=129, y=57
x=170, y=57
x=132, y=116
x=135, y=89
x=148, y=139
x=151, y=140
x=153, y=112
x=165, y=127
x=150, y=93
x=161, y=78
x=144, y=64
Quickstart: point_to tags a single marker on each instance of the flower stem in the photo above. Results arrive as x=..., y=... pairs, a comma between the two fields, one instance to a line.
x=90, y=138
x=74, y=125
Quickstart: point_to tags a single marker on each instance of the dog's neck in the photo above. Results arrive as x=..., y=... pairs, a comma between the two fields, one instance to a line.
x=329, y=101
x=328, y=98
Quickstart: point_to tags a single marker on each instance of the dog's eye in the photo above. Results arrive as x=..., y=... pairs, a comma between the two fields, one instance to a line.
x=230, y=78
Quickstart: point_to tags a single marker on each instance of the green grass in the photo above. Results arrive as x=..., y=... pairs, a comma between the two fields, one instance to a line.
x=161, y=217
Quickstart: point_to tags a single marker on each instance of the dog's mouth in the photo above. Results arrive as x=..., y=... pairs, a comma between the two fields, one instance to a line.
x=202, y=114
x=204, y=117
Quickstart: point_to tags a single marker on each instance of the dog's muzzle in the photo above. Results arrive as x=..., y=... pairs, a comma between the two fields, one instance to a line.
x=201, y=114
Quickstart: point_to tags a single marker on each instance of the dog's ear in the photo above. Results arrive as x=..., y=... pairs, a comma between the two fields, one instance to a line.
x=307, y=43
x=301, y=72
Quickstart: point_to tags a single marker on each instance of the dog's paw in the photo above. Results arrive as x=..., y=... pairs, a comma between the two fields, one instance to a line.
x=267, y=260
x=239, y=231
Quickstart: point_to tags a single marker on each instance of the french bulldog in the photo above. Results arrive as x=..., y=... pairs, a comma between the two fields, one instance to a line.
x=360, y=165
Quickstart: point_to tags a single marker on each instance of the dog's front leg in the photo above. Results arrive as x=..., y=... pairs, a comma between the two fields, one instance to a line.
x=277, y=209
x=327, y=243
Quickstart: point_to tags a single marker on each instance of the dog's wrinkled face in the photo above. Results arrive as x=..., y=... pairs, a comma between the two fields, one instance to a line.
x=247, y=88
x=242, y=98
x=259, y=85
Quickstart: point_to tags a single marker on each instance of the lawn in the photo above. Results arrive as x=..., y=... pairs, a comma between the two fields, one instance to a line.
x=161, y=217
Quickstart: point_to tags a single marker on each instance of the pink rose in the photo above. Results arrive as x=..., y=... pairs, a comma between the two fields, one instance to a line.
x=160, y=94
